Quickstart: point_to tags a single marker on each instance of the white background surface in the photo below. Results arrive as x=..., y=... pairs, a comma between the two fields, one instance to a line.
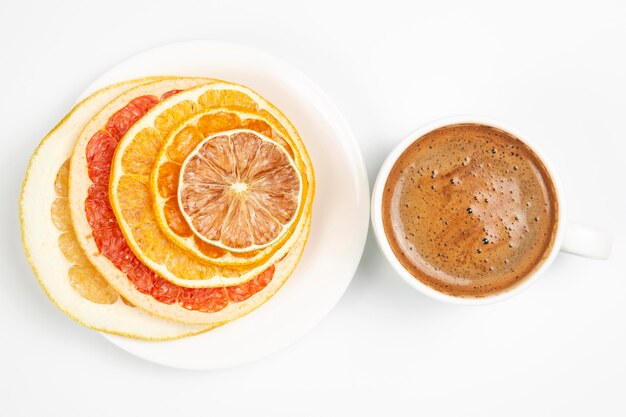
x=554, y=70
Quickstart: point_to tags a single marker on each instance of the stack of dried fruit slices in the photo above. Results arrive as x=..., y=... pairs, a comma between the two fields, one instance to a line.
x=164, y=207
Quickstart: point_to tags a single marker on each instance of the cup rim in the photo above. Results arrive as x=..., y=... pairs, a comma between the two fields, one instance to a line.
x=385, y=247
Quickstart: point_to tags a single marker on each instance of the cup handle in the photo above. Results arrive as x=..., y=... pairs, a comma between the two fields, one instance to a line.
x=586, y=241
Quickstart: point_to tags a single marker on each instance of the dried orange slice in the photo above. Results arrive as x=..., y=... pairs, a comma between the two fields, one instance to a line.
x=239, y=190
x=164, y=181
x=58, y=262
x=129, y=191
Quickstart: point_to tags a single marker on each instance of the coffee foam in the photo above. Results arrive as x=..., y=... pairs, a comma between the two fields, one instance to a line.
x=470, y=210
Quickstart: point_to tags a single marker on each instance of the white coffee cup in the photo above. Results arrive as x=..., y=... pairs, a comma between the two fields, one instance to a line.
x=574, y=238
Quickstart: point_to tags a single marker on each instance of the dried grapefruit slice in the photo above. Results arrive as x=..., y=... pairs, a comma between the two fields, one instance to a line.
x=239, y=190
x=58, y=262
x=164, y=181
x=112, y=256
x=130, y=192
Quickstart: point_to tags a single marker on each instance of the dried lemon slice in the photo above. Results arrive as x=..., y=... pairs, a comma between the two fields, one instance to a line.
x=239, y=190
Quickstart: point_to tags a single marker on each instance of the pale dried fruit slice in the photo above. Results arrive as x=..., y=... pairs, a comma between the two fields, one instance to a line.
x=59, y=264
x=239, y=190
x=164, y=181
x=130, y=193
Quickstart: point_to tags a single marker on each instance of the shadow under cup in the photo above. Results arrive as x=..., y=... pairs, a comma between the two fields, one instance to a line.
x=469, y=210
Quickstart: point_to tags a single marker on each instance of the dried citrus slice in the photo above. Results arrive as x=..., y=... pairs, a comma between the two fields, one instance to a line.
x=112, y=256
x=164, y=181
x=239, y=190
x=130, y=193
x=57, y=260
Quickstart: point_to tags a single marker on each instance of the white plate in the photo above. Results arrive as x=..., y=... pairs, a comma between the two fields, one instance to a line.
x=340, y=216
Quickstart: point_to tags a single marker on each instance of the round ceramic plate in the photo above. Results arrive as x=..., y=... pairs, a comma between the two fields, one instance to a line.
x=340, y=210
